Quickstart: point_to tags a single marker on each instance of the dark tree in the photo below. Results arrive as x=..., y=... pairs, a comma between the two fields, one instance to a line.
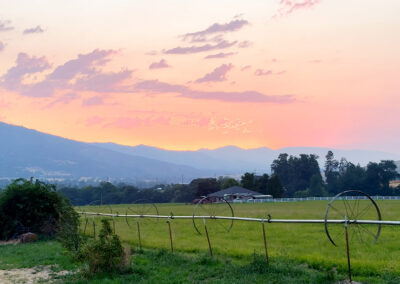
x=332, y=173
x=229, y=182
x=261, y=183
x=296, y=172
x=248, y=181
x=275, y=187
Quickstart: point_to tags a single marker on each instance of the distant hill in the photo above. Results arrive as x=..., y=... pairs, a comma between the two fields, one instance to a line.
x=26, y=153
x=231, y=159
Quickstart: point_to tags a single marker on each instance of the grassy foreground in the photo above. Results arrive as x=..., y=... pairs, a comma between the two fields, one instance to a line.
x=160, y=266
x=297, y=242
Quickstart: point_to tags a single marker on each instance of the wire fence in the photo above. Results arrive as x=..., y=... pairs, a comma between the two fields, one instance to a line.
x=313, y=198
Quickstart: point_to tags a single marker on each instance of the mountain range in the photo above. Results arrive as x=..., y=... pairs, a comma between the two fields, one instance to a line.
x=25, y=153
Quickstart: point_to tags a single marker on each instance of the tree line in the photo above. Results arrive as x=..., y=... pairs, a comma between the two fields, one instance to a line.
x=301, y=176
x=292, y=176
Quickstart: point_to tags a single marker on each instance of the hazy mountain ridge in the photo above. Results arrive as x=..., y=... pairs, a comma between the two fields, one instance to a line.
x=236, y=160
x=25, y=153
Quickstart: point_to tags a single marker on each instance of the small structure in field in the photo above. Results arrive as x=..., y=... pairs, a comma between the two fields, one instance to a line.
x=235, y=193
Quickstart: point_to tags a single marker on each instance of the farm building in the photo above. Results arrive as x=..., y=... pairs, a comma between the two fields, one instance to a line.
x=235, y=193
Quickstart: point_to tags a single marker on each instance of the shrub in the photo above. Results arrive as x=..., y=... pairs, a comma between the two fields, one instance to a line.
x=34, y=206
x=105, y=254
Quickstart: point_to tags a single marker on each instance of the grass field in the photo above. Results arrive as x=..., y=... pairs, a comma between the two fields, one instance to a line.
x=298, y=242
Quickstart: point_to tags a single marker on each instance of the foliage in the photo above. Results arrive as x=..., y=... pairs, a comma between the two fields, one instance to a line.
x=274, y=187
x=228, y=182
x=204, y=186
x=374, y=179
x=36, y=206
x=296, y=172
x=105, y=254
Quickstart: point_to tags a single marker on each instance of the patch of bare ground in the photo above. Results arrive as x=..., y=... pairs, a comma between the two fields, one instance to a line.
x=38, y=274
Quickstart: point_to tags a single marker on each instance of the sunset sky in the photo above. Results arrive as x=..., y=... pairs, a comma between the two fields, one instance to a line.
x=185, y=75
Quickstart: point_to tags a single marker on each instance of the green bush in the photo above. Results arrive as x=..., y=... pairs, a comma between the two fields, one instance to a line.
x=105, y=254
x=35, y=206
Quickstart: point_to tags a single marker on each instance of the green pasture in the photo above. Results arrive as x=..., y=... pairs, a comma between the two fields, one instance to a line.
x=299, y=242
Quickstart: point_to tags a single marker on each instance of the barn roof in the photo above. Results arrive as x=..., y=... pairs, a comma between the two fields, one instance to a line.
x=233, y=190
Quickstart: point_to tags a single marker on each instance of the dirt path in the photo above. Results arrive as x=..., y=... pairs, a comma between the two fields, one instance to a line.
x=29, y=275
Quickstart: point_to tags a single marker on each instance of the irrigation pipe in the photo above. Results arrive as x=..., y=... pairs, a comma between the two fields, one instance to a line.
x=299, y=221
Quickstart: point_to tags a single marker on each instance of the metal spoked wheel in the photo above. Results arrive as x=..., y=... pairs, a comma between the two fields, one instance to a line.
x=354, y=205
x=142, y=207
x=206, y=208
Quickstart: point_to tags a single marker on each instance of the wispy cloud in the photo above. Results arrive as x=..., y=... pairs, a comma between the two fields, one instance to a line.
x=231, y=26
x=93, y=101
x=24, y=65
x=202, y=48
x=64, y=99
x=5, y=26
x=245, y=44
x=1, y=46
x=262, y=72
x=287, y=7
x=217, y=75
x=158, y=65
x=220, y=55
x=157, y=87
x=81, y=74
x=244, y=68
x=35, y=30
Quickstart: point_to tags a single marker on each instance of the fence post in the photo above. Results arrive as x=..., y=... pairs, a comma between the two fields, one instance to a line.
x=170, y=234
x=138, y=229
x=208, y=238
x=265, y=241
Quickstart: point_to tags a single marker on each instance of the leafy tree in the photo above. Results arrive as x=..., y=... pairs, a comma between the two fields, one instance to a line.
x=316, y=186
x=34, y=205
x=331, y=173
x=261, y=183
x=229, y=182
x=296, y=172
x=275, y=187
x=204, y=186
x=248, y=181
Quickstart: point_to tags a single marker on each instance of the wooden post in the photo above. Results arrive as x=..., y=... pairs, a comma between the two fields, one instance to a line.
x=208, y=238
x=347, y=248
x=94, y=229
x=170, y=234
x=140, y=241
x=86, y=223
x=265, y=242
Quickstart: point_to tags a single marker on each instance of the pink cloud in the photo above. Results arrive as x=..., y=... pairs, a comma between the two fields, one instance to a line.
x=261, y=72
x=157, y=87
x=25, y=65
x=84, y=64
x=81, y=74
x=232, y=26
x=161, y=64
x=220, y=55
x=95, y=120
x=131, y=122
x=202, y=48
x=287, y=7
x=245, y=44
x=217, y=75
x=5, y=26
x=245, y=67
x=1, y=46
x=35, y=30
x=104, y=82
x=64, y=99
x=93, y=101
